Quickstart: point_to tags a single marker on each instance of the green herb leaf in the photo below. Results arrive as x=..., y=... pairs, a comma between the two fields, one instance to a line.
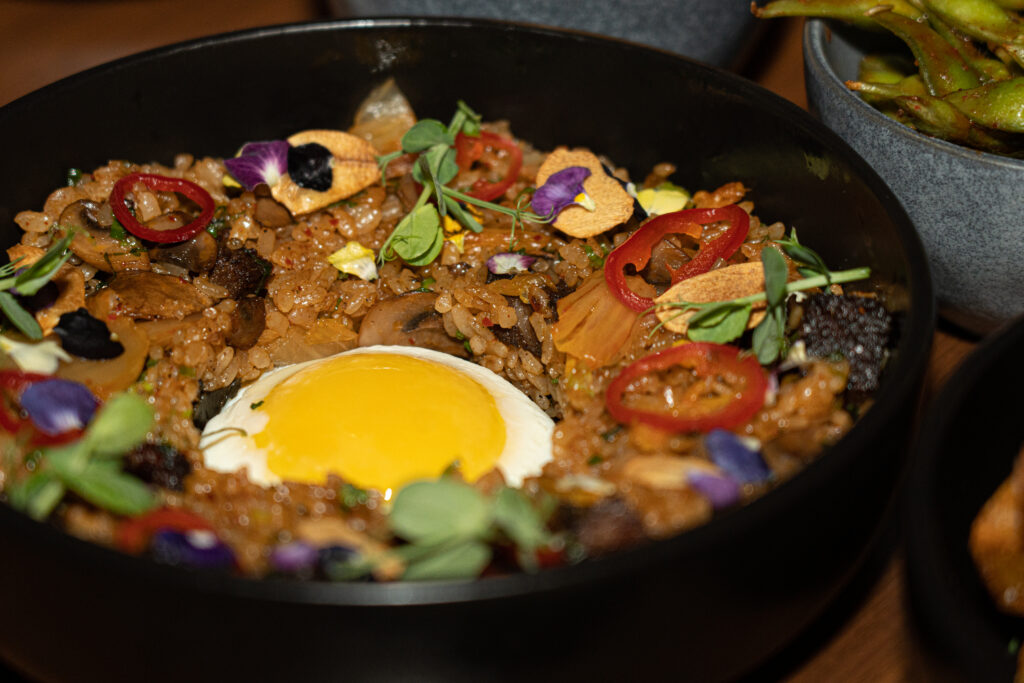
x=40, y=272
x=775, y=275
x=19, y=317
x=465, y=120
x=415, y=234
x=118, y=232
x=516, y=516
x=720, y=325
x=769, y=336
x=103, y=484
x=120, y=425
x=596, y=261
x=803, y=255
x=38, y=495
x=424, y=135
x=436, y=511
x=464, y=560
x=460, y=214
x=73, y=177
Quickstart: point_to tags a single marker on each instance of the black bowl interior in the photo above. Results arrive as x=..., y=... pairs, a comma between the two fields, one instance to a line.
x=706, y=605
x=966, y=448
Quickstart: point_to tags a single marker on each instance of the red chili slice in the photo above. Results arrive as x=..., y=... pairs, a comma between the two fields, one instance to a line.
x=12, y=383
x=469, y=149
x=159, y=183
x=636, y=251
x=132, y=535
x=742, y=373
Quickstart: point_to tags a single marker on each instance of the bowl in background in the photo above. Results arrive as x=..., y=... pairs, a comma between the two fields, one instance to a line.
x=707, y=605
x=966, y=205
x=712, y=31
x=966, y=447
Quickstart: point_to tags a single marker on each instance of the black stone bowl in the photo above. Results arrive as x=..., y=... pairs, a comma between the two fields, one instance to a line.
x=707, y=605
x=967, y=444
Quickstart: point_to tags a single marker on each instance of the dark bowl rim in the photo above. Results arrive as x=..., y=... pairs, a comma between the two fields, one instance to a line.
x=928, y=565
x=817, y=64
x=900, y=386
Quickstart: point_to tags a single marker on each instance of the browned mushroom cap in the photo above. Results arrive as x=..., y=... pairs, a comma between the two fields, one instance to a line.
x=408, y=320
x=197, y=254
x=93, y=242
x=150, y=295
x=247, y=322
x=270, y=214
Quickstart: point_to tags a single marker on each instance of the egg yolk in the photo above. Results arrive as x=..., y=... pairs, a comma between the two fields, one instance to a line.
x=380, y=421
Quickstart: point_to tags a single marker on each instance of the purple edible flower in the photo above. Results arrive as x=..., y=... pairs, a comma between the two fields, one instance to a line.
x=294, y=557
x=198, y=548
x=259, y=162
x=561, y=190
x=56, y=406
x=735, y=457
x=721, y=491
x=508, y=262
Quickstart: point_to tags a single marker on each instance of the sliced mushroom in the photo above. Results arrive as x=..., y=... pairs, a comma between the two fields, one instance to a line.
x=408, y=320
x=93, y=242
x=149, y=295
x=197, y=254
x=271, y=214
x=247, y=322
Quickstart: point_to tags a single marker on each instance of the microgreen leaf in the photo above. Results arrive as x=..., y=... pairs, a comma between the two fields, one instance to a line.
x=463, y=560
x=37, y=495
x=39, y=273
x=103, y=484
x=431, y=253
x=803, y=255
x=519, y=519
x=726, y=324
x=416, y=235
x=121, y=424
x=425, y=134
x=769, y=336
x=434, y=511
x=19, y=317
x=465, y=218
x=775, y=275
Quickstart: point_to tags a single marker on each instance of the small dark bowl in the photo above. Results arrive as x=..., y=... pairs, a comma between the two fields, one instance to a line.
x=707, y=605
x=966, y=448
x=965, y=204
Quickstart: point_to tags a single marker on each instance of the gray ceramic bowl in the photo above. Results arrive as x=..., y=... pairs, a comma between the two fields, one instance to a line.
x=719, y=32
x=967, y=205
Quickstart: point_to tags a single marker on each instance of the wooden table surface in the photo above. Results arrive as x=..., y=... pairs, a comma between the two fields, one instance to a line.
x=870, y=638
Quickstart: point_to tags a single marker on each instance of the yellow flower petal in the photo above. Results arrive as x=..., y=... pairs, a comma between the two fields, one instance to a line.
x=355, y=259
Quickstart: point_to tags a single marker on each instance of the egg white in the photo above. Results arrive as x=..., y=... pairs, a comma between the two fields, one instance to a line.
x=228, y=445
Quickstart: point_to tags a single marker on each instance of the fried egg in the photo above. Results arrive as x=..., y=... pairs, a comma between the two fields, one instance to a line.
x=379, y=417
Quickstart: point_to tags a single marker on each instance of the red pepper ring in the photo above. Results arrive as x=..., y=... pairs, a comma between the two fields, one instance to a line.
x=706, y=359
x=160, y=183
x=13, y=382
x=469, y=149
x=636, y=251
x=132, y=535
